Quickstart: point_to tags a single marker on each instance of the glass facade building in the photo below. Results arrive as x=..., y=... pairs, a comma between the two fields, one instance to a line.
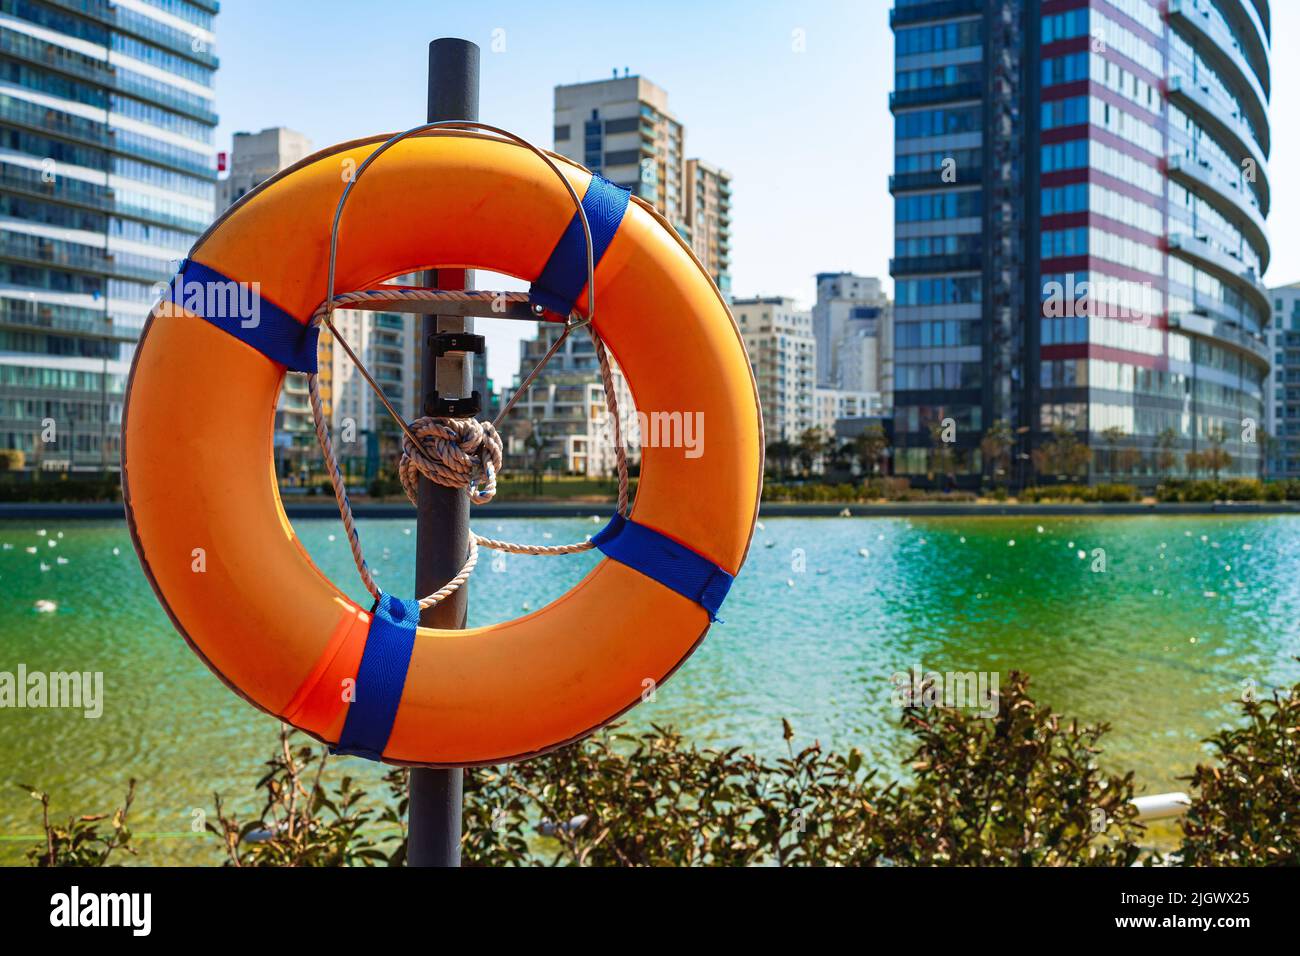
x=107, y=176
x=1283, y=391
x=1080, y=191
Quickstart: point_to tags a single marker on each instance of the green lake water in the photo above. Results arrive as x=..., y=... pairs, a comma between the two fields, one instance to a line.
x=1188, y=612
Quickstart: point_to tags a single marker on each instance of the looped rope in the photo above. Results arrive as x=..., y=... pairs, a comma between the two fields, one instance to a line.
x=454, y=452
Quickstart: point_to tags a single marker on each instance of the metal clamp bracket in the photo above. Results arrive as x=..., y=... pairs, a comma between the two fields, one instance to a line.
x=440, y=343
x=438, y=407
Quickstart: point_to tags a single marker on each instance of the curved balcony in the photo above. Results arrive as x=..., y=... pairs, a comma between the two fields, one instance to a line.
x=937, y=10
x=933, y=179
x=1252, y=347
x=1251, y=29
x=1200, y=253
x=933, y=95
x=1218, y=47
x=1226, y=198
x=171, y=39
x=924, y=265
x=1232, y=132
x=1261, y=10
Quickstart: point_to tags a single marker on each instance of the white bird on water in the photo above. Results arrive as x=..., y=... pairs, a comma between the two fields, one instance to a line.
x=45, y=607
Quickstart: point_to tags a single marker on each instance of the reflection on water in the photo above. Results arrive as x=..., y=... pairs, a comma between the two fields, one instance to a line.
x=1159, y=644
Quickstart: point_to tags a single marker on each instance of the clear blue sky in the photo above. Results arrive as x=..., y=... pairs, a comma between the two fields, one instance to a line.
x=806, y=135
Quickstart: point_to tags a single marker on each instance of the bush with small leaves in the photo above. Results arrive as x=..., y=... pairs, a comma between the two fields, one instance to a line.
x=1021, y=788
x=303, y=823
x=1246, y=807
x=79, y=842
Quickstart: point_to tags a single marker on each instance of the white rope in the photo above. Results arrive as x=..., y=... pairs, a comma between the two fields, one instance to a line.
x=455, y=452
x=452, y=452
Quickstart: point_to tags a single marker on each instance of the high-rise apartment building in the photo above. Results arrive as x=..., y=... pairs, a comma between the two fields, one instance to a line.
x=783, y=353
x=708, y=216
x=836, y=404
x=1080, y=192
x=852, y=320
x=1283, y=391
x=107, y=176
x=365, y=435
x=561, y=423
x=255, y=158
x=621, y=128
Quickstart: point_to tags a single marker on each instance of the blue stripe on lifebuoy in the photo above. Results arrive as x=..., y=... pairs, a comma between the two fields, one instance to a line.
x=565, y=273
x=381, y=678
x=669, y=562
x=240, y=309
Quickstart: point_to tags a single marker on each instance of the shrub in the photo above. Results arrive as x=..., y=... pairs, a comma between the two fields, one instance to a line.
x=1115, y=492
x=1020, y=789
x=79, y=842
x=1086, y=493
x=1228, y=489
x=872, y=489
x=304, y=824
x=651, y=800
x=1246, y=809
x=60, y=488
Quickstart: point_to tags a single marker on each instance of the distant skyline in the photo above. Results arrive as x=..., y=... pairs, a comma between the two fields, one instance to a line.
x=806, y=135
x=791, y=98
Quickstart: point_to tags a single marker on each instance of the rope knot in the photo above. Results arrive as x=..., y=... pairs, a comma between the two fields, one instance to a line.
x=453, y=452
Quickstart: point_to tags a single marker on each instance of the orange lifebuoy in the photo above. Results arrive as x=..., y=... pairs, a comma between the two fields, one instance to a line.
x=198, y=470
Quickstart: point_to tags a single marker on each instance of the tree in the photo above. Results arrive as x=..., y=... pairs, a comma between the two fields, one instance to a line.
x=1113, y=436
x=869, y=447
x=812, y=445
x=1128, y=459
x=1064, y=456
x=1166, y=457
x=1216, y=458
x=1267, y=445
x=942, y=460
x=995, y=447
x=781, y=452
x=534, y=442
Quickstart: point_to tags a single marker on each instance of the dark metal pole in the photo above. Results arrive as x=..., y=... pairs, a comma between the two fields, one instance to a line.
x=442, y=514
